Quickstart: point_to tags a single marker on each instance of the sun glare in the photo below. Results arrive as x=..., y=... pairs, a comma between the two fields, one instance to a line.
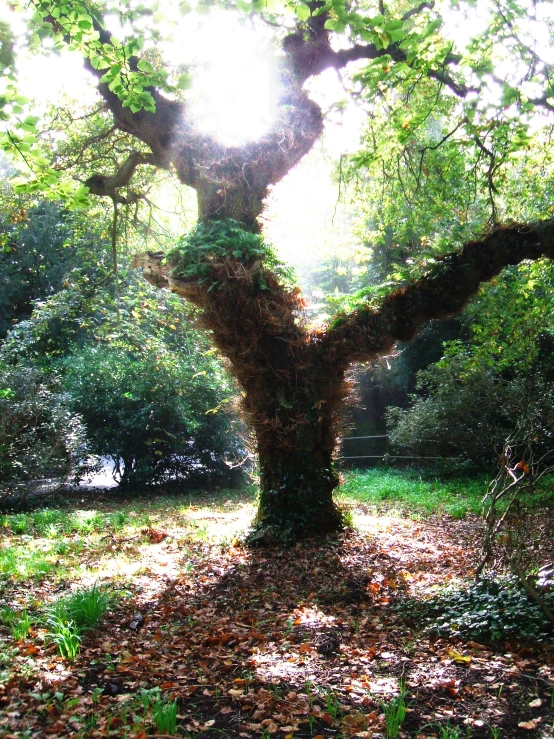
x=235, y=88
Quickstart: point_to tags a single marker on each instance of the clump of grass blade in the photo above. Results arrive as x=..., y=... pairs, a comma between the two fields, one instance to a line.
x=87, y=607
x=65, y=635
x=395, y=713
x=164, y=714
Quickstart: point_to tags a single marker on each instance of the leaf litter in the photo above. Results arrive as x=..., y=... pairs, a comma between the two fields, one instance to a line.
x=312, y=641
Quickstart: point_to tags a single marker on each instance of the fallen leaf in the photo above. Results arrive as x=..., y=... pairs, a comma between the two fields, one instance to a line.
x=458, y=658
x=529, y=725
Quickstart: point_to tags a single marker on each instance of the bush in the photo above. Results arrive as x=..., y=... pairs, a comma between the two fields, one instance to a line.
x=158, y=415
x=40, y=436
x=469, y=411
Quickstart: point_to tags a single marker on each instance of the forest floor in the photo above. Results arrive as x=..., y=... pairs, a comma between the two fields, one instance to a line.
x=205, y=638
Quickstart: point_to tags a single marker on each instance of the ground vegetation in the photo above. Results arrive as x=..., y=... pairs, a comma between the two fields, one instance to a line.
x=147, y=617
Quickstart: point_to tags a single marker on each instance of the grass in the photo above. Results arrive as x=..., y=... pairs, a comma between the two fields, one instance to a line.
x=85, y=608
x=18, y=623
x=164, y=714
x=409, y=491
x=395, y=713
x=65, y=635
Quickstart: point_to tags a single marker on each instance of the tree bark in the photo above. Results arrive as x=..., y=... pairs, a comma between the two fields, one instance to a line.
x=294, y=379
x=289, y=399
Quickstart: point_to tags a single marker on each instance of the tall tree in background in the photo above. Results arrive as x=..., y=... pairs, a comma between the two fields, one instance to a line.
x=293, y=378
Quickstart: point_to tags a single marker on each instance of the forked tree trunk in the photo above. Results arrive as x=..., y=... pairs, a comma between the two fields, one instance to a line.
x=290, y=397
x=293, y=378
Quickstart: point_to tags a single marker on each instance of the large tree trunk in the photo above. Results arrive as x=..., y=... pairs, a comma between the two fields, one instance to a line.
x=293, y=378
x=295, y=422
x=290, y=398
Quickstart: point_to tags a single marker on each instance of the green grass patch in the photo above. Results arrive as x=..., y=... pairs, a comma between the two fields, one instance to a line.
x=412, y=493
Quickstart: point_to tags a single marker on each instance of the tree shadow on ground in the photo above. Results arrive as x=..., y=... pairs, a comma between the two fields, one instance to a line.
x=306, y=641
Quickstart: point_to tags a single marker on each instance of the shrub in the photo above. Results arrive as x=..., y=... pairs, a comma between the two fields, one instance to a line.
x=490, y=609
x=40, y=436
x=469, y=411
x=157, y=414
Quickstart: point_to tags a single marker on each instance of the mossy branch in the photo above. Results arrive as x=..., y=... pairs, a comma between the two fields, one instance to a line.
x=368, y=333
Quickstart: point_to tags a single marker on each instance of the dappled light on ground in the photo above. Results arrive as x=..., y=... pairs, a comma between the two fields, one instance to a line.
x=316, y=640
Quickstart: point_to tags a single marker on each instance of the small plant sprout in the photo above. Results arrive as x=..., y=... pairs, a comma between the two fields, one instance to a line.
x=332, y=704
x=395, y=713
x=164, y=714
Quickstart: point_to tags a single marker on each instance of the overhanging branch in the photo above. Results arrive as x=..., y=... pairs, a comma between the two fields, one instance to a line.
x=368, y=333
x=106, y=186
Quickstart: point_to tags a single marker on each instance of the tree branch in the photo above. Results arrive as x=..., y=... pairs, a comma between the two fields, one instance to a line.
x=418, y=9
x=103, y=185
x=368, y=333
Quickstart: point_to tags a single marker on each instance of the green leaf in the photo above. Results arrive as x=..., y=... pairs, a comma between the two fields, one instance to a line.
x=302, y=12
x=377, y=20
x=431, y=28
x=335, y=25
x=393, y=26
x=396, y=35
x=145, y=66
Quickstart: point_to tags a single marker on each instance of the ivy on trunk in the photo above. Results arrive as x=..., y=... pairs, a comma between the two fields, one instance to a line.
x=293, y=377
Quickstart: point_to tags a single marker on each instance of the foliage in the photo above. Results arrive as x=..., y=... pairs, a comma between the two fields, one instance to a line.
x=216, y=241
x=70, y=617
x=468, y=413
x=65, y=635
x=40, y=436
x=19, y=622
x=497, y=380
x=395, y=713
x=165, y=716
x=159, y=416
x=40, y=247
x=85, y=608
x=493, y=608
x=442, y=111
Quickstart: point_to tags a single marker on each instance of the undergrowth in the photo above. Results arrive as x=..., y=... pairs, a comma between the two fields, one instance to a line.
x=492, y=609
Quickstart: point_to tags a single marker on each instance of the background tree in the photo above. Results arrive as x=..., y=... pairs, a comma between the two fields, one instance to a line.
x=293, y=377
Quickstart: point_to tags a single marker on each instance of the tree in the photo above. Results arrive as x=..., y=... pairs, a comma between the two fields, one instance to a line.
x=293, y=378
x=495, y=385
